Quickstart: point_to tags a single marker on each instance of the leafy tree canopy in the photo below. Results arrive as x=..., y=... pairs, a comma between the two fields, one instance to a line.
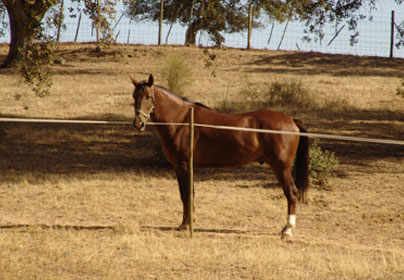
x=31, y=48
x=212, y=16
x=318, y=14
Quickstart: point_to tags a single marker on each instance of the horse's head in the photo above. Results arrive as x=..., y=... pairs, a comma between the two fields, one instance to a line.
x=144, y=102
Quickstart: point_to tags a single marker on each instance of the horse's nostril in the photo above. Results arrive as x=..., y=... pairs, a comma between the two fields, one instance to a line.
x=139, y=124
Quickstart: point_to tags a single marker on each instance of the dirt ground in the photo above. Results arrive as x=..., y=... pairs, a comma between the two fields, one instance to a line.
x=95, y=202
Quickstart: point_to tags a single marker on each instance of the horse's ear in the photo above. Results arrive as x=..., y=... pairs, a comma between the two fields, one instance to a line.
x=133, y=80
x=151, y=80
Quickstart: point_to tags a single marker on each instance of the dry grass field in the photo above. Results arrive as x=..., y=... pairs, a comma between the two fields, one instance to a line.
x=92, y=201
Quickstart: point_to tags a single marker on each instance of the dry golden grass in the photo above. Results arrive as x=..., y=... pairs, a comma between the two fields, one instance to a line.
x=91, y=202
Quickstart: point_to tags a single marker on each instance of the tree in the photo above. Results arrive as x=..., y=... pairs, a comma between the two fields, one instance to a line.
x=212, y=16
x=317, y=14
x=25, y=25
x=101, y=13
x=31, y=48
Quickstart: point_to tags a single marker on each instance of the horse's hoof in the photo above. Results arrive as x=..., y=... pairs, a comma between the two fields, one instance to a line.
x=183, y=227
x=287, y=237
x=287, y=234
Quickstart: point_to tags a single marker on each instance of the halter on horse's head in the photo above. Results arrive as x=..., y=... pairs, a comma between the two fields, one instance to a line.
x=143, y=96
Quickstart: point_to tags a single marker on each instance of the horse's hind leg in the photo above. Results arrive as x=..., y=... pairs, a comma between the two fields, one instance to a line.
x=285, y=178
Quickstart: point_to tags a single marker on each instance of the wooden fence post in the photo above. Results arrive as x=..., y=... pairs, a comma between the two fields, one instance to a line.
x=191, y=171
x=161, y=20
x=283, y=34
x=392, y=35
x=249, y=25
x=270, y=35
x=77, y=28
x=335, y=36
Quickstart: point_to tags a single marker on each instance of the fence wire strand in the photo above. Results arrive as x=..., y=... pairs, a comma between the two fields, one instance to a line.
x=223, y=127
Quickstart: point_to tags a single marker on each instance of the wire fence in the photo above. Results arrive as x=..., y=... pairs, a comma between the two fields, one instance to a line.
x=374, y=38
x=222, y=127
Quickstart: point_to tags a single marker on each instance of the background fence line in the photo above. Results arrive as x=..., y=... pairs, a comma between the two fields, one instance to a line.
x=374, y=39
x=224, y=127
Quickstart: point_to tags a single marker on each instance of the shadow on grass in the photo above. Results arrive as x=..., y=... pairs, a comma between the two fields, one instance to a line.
x=332, y=64
x=27, y=227
x=199, y=230
x=39, y=150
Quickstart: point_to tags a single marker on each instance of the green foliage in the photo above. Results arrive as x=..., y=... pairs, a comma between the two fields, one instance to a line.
x=323, y=164
x=178, y=74
x=213, y=16
x=33, y=67
x=278, y=10
x=100, y=16
x=33, y=43
x=318, y=14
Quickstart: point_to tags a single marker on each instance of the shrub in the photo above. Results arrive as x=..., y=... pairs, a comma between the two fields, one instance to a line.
x=178, y=74
x=288, y=95
x=400, y=89
x=323, y=164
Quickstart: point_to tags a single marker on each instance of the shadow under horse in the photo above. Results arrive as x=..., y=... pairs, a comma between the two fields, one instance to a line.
x=225, y=148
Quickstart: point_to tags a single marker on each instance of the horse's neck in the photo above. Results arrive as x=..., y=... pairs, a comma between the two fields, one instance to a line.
x=169, y=108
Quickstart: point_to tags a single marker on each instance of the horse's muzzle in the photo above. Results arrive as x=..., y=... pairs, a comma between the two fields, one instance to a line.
x=139, y=124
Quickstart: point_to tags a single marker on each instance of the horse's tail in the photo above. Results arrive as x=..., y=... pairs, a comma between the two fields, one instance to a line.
x=302, y=163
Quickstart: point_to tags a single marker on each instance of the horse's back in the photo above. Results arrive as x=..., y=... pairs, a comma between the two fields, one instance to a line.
x=279, y=149
x=274, y=120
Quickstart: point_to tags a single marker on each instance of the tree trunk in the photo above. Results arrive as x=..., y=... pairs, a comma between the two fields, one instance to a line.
x=24, y=23
x=192, y=30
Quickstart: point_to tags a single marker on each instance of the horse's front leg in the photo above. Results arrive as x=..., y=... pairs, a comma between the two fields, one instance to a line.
x=183, y=182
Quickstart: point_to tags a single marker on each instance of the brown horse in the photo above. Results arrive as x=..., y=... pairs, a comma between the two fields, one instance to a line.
x=224, y=148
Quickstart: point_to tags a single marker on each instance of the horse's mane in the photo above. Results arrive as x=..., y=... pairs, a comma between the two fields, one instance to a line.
x=181, y=97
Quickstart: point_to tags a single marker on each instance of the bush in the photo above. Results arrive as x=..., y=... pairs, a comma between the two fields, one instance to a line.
x=400, y=89
x=323, y=164
x=178, y=74
x=285, y=96
x=288, y=95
